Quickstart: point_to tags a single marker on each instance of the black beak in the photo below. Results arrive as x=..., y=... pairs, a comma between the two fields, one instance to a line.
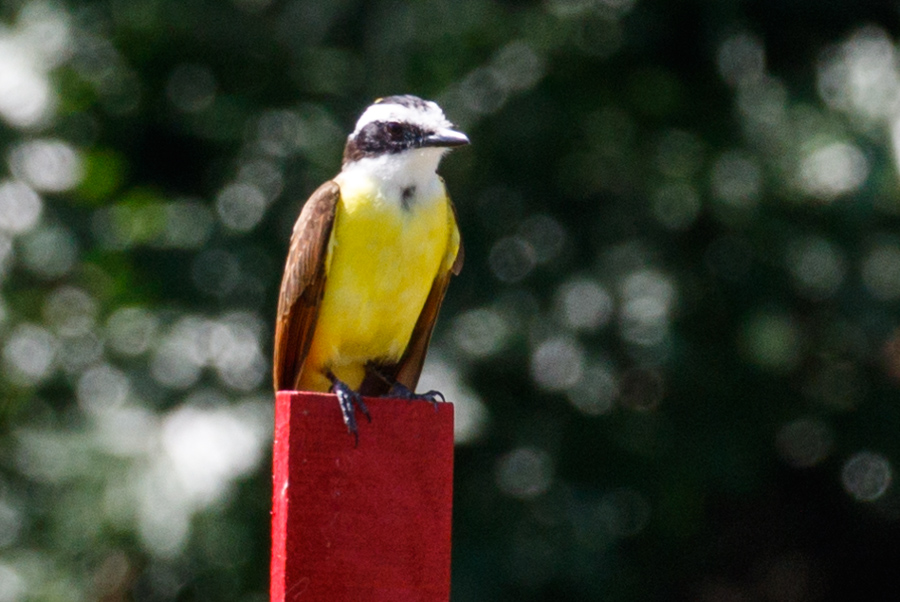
x=445, y=138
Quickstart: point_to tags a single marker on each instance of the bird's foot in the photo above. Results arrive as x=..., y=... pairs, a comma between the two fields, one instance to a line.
x=349, y=401
x=401, y=391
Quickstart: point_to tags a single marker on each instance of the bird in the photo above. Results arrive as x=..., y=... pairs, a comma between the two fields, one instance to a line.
x=370, y=258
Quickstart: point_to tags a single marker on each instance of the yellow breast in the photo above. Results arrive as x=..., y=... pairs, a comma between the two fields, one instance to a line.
x=382, y=262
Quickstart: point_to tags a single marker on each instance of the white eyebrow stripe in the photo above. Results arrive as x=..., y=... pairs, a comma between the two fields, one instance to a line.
x=432, y=118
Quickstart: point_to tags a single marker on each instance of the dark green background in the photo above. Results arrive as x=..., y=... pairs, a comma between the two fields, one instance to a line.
x=675, y=332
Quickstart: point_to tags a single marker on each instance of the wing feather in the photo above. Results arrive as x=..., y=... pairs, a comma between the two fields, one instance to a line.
x=302, y=285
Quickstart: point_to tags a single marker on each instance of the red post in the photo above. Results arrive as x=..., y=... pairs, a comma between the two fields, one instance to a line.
x=361, y=523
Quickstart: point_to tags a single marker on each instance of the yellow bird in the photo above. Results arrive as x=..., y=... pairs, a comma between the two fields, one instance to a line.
x=370, y=259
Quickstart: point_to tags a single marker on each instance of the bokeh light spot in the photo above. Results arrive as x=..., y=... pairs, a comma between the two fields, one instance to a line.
x=595, y=393
x=881, y=270
x=763, y=104
x=235, y=351
x=210, y=446
x=470, y=414
x=102, y=388
x=47, y=165
x=240, y=206
x=49, y=252
x=517, y=66
x=28, y=354
x=511, y=259
x=263, y=174
x=866, y=476
x=181, y=353
x=78, y=352
x=11, y=523
x=480, y=332
x=216, y=272
x=833, y=170
x=483, y=91
x=583, y=304
x=676, y=205
x=736, y=180
x=772, y=341
x=20, y=207
x=191, y=87
x=187, y=225
x=679, y=154
x=647, y=299
x=545, y=235
x=131, y=330
x=804, y=442
x=741, y=58
x=12, y=585
x=860, y=75
x=26, y=97
x=524, y=473
x=70, y=311
x=558, y=363
x=279, y=132
x=817, y=266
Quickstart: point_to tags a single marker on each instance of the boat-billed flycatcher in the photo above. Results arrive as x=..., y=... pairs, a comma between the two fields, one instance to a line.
x=370, y=259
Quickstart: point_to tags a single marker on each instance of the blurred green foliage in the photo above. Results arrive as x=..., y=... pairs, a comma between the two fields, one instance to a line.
x=674, y=348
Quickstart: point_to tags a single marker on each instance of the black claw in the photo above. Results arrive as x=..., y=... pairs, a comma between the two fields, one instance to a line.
x=401, y=391
x=434, y=396
x=349, y=400
x=362, y=408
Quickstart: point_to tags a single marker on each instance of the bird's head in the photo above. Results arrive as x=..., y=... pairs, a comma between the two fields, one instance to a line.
x=397, y=125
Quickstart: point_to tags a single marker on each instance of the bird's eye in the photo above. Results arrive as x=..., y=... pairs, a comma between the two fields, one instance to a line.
x=395, y=131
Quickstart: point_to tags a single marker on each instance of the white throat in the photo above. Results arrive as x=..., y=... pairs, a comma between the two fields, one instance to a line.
x=406, y=178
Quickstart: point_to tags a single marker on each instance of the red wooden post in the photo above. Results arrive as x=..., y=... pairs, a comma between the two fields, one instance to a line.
x=361, y=523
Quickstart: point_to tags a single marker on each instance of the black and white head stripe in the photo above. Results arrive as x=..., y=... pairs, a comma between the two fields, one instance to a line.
x=399, y=123
x=406, y=109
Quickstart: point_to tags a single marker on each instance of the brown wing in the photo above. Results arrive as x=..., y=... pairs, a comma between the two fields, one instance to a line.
x=409, y=368
x=302, y=285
